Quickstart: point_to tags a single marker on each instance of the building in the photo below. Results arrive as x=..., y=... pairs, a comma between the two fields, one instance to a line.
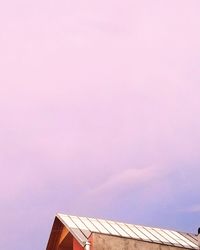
x=81, y=233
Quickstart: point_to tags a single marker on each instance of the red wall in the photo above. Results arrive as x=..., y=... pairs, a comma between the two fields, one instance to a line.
x=76, y=245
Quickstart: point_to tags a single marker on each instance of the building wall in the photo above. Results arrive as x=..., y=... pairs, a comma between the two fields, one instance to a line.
x=106, y=242
x=76, y=245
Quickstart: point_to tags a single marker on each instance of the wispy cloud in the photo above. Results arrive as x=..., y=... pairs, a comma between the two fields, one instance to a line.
x=130, y=178
x=192, y=209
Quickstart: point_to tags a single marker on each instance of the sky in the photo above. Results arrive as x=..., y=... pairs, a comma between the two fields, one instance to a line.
x=99, y=114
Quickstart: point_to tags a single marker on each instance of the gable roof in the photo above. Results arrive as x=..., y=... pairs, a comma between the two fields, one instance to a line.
x=82, y=227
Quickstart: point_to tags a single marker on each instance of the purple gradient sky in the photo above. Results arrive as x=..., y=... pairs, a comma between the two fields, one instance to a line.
x=99, y=114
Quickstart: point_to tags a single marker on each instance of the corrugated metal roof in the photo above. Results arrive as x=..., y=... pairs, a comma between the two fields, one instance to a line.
x=83, y=227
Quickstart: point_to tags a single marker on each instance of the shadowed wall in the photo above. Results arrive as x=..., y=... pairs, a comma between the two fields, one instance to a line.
x=105, y=242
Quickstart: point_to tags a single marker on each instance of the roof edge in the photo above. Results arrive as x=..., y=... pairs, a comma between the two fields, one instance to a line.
x=59, y=216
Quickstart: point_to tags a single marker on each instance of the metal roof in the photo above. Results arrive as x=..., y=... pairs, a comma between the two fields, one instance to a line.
x=82, y=227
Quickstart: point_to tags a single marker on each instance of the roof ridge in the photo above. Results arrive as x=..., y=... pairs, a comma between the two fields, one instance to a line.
x=128, y=223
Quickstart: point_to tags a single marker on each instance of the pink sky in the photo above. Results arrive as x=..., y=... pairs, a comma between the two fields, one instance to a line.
x=99, y=114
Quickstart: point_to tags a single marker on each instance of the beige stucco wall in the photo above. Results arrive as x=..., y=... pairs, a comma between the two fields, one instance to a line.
x=105, y=242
